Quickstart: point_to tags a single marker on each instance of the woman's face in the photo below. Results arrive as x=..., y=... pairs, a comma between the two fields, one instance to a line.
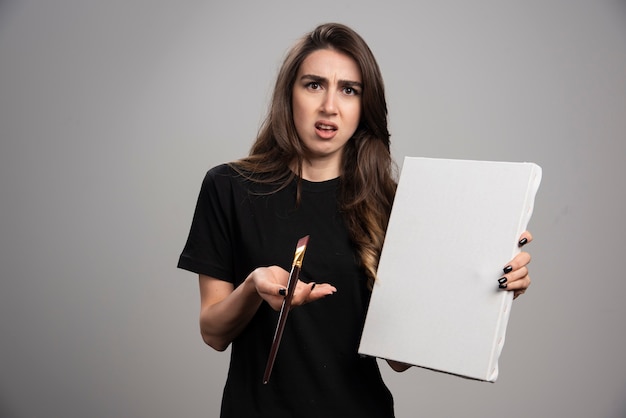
x=326, y=102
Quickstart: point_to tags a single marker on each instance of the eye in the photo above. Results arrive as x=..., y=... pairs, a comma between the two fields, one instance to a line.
x=313, y=85
x=350, y=91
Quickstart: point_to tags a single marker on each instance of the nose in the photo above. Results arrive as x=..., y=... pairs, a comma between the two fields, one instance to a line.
x=329, y=105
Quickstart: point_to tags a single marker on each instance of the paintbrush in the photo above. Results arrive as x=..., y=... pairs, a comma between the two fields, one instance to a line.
x=284, y=310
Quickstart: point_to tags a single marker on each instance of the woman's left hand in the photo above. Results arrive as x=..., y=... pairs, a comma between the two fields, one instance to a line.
x=515, y=277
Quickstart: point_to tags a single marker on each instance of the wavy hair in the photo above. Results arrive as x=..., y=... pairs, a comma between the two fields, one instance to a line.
x=367, y=184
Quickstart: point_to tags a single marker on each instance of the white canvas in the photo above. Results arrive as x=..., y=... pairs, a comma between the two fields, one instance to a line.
x=453, y=226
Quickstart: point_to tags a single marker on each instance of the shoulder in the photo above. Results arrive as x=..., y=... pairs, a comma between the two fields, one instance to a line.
x=229, y=179
x=220, y=176
x=218, y=182
x=220, y=172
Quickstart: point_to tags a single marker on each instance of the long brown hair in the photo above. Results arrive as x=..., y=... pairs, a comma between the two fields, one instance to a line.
x=367, y=180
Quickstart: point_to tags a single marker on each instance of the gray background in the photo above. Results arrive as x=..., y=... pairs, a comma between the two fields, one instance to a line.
x=111, y=112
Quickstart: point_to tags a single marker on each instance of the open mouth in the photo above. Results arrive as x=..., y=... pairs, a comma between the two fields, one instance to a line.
x=325, y=127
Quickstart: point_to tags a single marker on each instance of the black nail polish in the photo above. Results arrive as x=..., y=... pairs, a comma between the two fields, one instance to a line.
x=502, y=280
x=522, y=242
x=502, y=285
x=282, y=292
x=313, y=286
x=507, y=269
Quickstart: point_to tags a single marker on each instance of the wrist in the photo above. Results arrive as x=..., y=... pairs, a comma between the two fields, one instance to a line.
x=249, y=285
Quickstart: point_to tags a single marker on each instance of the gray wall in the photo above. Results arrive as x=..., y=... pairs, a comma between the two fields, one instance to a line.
x=111, y=112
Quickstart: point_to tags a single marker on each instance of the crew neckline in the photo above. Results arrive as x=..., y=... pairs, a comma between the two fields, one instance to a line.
x=318, y=186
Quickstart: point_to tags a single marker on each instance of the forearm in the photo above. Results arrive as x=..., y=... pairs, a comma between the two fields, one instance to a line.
x=222, y=321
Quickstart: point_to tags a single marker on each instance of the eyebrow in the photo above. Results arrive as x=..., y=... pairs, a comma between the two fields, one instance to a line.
x=320, y=79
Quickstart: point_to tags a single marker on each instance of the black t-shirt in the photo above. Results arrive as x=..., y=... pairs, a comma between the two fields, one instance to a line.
x=239, y=225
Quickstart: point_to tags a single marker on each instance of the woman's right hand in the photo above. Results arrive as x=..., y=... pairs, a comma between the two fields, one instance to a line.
x=225, y=311
x=271, y=284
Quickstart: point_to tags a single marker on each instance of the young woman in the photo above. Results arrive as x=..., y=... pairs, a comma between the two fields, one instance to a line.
x=321, y=166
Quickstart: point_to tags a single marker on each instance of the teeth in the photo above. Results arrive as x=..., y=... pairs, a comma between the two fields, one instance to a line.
x=325, y=127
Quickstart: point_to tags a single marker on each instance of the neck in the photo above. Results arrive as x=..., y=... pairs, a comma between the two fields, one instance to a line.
x=316, y=170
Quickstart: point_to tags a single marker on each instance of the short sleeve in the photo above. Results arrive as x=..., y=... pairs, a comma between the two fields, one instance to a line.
x=208, y=249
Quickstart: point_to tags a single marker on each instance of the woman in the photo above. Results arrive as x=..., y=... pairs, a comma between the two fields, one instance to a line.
x=321, y=166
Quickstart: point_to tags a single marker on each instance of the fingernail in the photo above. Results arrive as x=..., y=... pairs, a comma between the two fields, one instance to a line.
x=313, y=286
x=507, y=269
x=522, y=242
x=502, y=285
x=502, y=280
x=282, y=292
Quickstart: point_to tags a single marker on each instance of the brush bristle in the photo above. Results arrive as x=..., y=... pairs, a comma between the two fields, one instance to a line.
x=303, y=241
